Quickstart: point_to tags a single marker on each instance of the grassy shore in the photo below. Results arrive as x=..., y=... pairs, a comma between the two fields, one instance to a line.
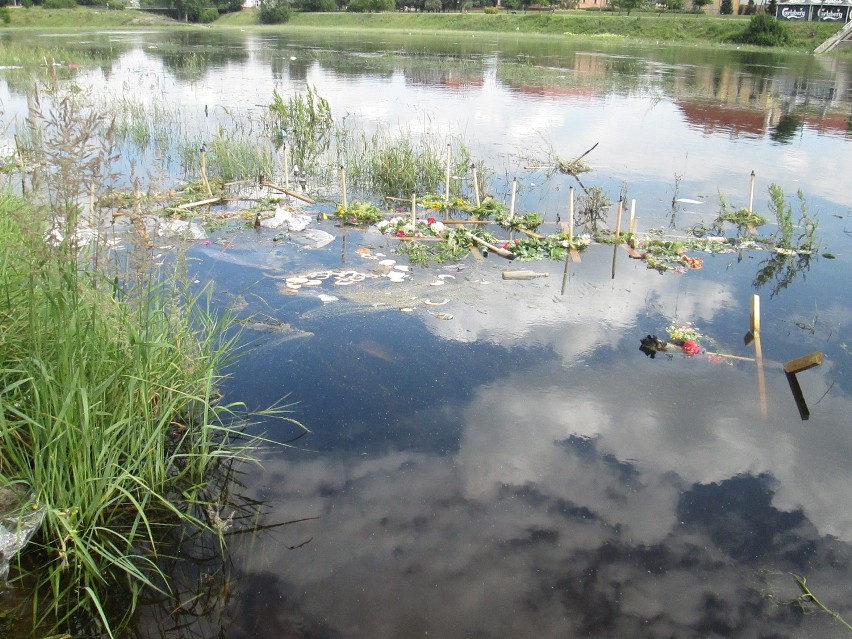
x=643, y=26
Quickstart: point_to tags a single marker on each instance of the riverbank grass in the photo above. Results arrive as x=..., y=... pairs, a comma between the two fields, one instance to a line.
x=680, y=28
x=108, y=414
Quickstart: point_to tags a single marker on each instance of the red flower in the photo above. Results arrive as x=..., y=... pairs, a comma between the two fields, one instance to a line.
x=506, y=245
x=517, y=241
x=691, y=348
x=400, y=233
x=430, y=220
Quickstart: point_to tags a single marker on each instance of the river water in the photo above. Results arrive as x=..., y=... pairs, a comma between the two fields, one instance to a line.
x=509, y=463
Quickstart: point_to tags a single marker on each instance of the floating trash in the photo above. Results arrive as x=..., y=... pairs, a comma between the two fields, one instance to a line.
x=443, y=316
x=313, y=283
x=287, y=219
x=447, y=277
x=387, y=262
x=20, y=517
x=437, y=283
x=325, y=299
x=429, y=302
x=401, y=267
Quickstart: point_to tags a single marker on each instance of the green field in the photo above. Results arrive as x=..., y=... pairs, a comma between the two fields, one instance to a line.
x=683, y=28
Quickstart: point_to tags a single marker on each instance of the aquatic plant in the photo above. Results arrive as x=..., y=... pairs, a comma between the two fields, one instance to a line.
x=792, y=253
x=528, y=221
x=108, y=402
x=108, y=411
x=305, y=124
x=591, y=208
x=359, y=213
x=808, y=597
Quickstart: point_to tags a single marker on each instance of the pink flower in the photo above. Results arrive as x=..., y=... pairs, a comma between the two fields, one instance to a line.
x=400, y=233
x=506, y=246
x=691, y=348
x=431, y=220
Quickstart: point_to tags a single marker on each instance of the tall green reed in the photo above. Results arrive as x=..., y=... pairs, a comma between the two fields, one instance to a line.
x=108, y=403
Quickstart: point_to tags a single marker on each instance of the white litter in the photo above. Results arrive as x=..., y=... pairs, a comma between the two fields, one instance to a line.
x=317, y=237
x=325, y=299
x=288, y=219
x=183, y=229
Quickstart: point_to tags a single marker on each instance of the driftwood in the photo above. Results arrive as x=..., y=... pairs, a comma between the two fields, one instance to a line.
x=298, y=196
x=190, y=205
x=494, y=249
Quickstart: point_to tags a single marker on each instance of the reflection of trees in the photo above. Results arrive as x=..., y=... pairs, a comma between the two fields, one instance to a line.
x=781, y=270
x=786, y=128
x=190, y=56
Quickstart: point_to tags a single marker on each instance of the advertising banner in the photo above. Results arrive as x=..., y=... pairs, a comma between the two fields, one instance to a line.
x=799, y=12
x=830, y=13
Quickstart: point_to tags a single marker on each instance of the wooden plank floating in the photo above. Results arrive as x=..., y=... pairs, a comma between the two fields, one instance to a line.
x=189, y=205
x=523, y=275
x=803, y=363
x=298, y=196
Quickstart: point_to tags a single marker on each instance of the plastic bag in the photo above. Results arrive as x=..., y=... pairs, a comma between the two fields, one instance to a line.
x=20, y=518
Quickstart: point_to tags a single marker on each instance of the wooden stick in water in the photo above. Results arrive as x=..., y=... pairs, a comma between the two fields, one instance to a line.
x=751, y=194
x=475, y=186
x=298, y=196
x=570, y=213
x=204, y=171
x=447, y=184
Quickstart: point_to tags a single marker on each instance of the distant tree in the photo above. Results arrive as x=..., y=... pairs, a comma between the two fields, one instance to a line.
x=432, y=6
x=227, y=6
x=764, y=30
x=371, y=6
x=727, y=7
x=5, y=18
x=674, y=5
x=274, y=11
x=750, y=9
x=628, y=5
x=771, y=7
x=699, y=5
x=318, y=6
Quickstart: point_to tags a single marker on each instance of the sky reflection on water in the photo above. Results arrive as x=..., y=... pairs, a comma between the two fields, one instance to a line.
x=523, y=469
